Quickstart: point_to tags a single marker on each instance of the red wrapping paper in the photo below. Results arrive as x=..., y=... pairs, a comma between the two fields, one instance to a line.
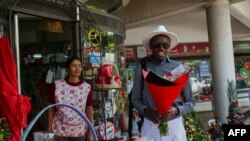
x=164, y=95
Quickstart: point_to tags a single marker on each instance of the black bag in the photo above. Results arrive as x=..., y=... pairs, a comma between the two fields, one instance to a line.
x=143, y=63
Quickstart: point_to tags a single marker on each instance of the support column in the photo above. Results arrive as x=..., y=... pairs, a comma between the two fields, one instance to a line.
x=17, y=47
x=78, y=51
x=222, y=56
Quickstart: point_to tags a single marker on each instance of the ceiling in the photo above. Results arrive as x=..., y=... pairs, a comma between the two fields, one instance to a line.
x=139, y=13
x=181, y=16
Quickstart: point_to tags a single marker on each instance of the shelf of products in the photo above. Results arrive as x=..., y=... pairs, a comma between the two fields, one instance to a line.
x=106, y=113
x=102, y=68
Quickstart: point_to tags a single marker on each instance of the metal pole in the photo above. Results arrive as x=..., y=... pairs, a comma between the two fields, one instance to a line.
x=78, y=50
x=16, y=28
x=17, y=47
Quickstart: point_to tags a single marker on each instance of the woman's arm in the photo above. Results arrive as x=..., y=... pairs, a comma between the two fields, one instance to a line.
x=51, y=113
x=51, y=100
x=89, y=114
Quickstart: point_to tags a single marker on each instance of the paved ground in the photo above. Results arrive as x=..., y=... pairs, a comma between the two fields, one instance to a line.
x=205, y=116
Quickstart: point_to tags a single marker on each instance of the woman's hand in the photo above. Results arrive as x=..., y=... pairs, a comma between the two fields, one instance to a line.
x=90, y=136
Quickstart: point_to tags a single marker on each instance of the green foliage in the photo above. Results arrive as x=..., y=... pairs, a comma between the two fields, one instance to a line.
x=194, y=128
x=234, y=116
x=232, y=97
x=5, y=133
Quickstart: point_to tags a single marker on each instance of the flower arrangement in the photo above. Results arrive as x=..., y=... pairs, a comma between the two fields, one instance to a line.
x=235, y=116
x=194, y=128
x=215, y=132
x=164, y=90
x=163, y=126
x=5, y=132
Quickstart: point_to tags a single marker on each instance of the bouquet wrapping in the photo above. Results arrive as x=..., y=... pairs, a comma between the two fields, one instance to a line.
x=164, y=90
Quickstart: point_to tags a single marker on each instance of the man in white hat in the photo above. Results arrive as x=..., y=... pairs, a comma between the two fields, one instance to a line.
x=160, y=41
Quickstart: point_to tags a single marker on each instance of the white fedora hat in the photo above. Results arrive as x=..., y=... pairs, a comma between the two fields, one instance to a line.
x=157, y=31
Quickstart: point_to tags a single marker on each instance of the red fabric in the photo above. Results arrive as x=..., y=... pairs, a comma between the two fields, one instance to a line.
x=164, y=96
x=14, y=106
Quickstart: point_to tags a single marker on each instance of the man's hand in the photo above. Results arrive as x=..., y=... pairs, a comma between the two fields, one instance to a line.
x=169, y=114
x=152, y=115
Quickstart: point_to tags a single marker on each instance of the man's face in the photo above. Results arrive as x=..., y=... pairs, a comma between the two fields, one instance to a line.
x=159, y=45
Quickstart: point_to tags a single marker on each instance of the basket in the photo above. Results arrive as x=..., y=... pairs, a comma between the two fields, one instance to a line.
x=113, y=84
x=27, y=130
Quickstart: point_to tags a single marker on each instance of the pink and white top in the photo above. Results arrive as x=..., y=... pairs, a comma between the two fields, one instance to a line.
x=67, y=122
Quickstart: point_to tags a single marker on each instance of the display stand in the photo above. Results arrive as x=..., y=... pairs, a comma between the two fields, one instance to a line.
x=106, y=86
x=106, y=112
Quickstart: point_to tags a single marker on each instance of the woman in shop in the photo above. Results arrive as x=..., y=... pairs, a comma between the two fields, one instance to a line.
x=66, y=124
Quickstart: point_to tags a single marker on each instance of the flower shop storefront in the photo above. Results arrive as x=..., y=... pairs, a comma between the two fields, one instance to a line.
x=47, y=33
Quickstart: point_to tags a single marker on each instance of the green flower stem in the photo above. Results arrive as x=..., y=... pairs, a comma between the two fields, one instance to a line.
x=163, y=127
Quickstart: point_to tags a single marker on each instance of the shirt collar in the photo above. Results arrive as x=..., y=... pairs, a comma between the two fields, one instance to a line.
x=166, y=59
x=74, y=84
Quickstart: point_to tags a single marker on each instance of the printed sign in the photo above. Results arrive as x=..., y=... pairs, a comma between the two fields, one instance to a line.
x=235, y=132
x=204, y=69
x=141, y=52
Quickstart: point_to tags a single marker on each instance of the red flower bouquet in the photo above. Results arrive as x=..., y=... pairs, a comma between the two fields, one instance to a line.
x=164, y=91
